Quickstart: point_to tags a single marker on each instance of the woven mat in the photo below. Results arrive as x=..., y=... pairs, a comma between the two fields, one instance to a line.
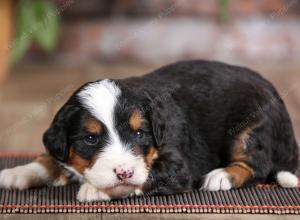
x=260, y=199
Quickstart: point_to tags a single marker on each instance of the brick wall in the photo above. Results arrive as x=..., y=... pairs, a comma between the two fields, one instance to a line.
x=156, y=31
x=207, y=8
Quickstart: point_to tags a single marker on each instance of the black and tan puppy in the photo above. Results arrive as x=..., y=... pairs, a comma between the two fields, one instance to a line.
x=186, y=125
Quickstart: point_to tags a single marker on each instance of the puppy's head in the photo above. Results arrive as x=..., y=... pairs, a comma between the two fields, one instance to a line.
x=103, y=134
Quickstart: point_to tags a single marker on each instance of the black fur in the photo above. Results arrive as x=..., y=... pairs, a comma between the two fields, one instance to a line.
x=56, y=138
x=194, y=111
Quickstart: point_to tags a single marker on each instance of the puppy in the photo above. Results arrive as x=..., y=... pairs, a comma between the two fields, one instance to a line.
x=187, y=125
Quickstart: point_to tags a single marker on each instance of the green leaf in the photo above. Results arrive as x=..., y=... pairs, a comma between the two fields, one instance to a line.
x=19, y=48
x=38, y=21
x=23, y=37
x=224, y=10
x=48, y=25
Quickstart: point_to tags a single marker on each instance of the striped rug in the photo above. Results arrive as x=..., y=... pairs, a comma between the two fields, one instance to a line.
x=260, y=199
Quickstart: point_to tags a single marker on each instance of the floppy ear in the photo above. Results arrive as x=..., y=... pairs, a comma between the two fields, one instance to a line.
x=166, y=120
x=55, y=138
x=157, y=121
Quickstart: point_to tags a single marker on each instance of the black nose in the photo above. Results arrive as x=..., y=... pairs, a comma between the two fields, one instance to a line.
x=123, y=174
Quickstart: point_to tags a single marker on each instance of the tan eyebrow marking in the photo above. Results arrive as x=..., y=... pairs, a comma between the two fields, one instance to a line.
x=136, y=121
x=93, y=126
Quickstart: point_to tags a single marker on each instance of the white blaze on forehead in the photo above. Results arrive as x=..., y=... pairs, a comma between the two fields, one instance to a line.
x=100, y=98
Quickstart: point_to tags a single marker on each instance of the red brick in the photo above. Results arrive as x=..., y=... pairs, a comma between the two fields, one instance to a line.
x=245, y=7
x=272, y=5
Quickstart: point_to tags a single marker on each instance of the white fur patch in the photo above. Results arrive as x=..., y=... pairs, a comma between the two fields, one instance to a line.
x=102, y=173
x=101, y=98
x=88, y=193
x=120, y=191
x=23, y=177
x=217, y=179
x=287, y=179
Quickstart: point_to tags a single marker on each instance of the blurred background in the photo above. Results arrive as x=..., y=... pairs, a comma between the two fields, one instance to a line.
x=49, y=48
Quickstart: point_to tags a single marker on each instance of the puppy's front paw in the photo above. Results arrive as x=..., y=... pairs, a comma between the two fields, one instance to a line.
x=88, y=193
x=217, y=179
x=23, y=177
x=136, y=192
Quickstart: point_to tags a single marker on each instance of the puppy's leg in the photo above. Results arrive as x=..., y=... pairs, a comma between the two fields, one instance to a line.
x=44, y=170
x=249, y=159
x=169, y=174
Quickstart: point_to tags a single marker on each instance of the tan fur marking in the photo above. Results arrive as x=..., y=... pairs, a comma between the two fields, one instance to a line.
x=152, y=155
x=51, y=166
x=240, y=173
x=136, y=121
x=240, y=145
x=93, y=126
x=77, y=162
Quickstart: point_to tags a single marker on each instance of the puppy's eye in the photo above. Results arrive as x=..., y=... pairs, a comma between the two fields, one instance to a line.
x=91, y=140
x=139, y=134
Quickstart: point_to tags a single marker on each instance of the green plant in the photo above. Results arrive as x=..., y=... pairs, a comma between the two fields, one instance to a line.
x=36, y=21
x=224, y=10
